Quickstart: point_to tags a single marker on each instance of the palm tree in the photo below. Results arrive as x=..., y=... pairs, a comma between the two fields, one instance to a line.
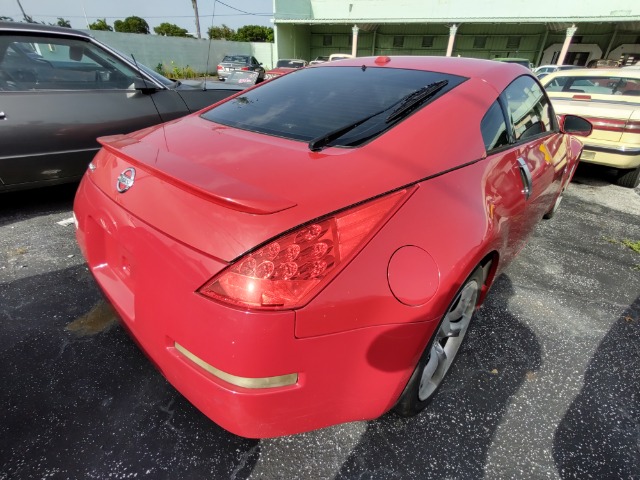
x=195, y=9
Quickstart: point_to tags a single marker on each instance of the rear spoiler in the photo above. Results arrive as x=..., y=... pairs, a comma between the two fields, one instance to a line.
x=198, y=179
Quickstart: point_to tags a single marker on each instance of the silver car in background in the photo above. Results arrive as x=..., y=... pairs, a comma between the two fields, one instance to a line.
x=231, y=63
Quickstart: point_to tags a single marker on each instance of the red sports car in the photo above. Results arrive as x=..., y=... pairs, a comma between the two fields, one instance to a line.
x=311, y=251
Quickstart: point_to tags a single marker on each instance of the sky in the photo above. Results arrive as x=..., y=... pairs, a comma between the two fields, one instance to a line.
x=233, y=13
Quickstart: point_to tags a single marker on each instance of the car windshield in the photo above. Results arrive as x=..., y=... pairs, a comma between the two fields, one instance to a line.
x=309, y=103
x=595, y=84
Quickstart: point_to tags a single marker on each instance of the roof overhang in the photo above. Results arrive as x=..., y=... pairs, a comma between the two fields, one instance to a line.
x=633, y=23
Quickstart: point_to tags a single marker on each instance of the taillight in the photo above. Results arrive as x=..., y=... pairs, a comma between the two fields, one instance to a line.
x=632, y=127
x=244, y=68
x=220, y=67
x=287, y=271
x=615, y=125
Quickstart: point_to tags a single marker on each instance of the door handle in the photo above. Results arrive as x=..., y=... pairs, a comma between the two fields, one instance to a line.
x=527, y=180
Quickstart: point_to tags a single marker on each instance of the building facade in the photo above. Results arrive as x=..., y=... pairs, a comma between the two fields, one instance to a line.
x=544, y=32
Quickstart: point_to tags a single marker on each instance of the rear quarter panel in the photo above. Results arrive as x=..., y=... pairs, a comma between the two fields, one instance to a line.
x=458, y=218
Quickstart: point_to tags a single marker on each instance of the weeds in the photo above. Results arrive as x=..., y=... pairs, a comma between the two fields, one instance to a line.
x=635, y=246
x=176, y=71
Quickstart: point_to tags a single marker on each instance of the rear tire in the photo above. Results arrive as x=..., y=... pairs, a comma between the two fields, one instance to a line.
x=629, y=178
x=442, y=349
x=555, y=207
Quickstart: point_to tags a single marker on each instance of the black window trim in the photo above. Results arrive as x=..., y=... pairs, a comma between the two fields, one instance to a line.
x=502, y=101
x=555, y=128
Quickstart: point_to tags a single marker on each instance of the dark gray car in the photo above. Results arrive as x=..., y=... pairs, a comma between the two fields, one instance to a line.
x=60, y=89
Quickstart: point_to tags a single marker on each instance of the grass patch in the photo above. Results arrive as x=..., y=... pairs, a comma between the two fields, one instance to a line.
x=635, y=246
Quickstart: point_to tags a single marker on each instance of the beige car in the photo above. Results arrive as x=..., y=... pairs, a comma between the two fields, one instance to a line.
x=610, y=100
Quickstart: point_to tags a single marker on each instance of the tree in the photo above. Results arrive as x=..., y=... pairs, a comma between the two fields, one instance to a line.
x=101, y=24
x=194, y=3
x=63, y=23
x=254, y=33
x=221, y=33
x=131, y=25
x=171, y=30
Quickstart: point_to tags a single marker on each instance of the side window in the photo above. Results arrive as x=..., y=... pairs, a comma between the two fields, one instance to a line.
x=494, y=128
x=51, y=63
x=529, y=108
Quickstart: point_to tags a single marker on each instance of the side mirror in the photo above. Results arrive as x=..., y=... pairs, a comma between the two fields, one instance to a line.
x=574, y=125
x=144, y=86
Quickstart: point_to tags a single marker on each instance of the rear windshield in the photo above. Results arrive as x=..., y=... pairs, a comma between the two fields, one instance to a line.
x=290, y=64
x=595, y=84
x=236, y=59
x=312, y=102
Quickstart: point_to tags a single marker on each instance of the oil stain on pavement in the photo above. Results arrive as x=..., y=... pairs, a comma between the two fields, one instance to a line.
x=100, y=318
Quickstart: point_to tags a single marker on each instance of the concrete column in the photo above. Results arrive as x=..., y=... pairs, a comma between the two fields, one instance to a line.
x=373, y=42
x=567, y=41
x=542, y=46
x=452, y=38
x=613, y=37
x=354, y=43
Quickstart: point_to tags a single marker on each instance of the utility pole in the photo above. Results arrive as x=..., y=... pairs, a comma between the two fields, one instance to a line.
x=195, y=10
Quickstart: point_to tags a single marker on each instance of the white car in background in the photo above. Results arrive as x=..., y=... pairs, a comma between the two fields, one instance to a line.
x=544, y=70
x=610, y=100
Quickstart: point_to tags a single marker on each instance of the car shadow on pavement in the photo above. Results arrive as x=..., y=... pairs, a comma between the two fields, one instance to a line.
x=599, y=436
x=595, y=175
x=452, y=436
x=16, y=206
x=80, y=400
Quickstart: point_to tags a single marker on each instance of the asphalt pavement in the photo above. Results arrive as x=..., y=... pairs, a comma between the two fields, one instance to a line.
x=546, y=386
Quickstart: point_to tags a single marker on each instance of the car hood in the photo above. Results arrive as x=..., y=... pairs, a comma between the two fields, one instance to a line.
x=225, y=190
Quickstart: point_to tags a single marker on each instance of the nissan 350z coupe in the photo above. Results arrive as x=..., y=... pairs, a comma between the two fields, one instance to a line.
x=312, y=250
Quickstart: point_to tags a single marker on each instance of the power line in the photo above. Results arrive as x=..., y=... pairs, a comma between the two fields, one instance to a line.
x=234, y=8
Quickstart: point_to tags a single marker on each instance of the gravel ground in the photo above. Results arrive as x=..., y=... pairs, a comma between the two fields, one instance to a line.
x=546, y=384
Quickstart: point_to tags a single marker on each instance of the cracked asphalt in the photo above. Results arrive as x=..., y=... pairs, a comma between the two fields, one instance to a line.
x=546, y=386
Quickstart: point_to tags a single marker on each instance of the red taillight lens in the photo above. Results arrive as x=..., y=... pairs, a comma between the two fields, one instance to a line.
x=244, y=68
x=284, y=273
x=220, y=67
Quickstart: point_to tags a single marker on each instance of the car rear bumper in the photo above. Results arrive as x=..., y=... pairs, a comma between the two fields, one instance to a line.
x=246, y=371
x=617, y=156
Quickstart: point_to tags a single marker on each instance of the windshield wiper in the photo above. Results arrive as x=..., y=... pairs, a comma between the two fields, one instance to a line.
x=323, y=140
x=404, y=105
x=408, y=103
